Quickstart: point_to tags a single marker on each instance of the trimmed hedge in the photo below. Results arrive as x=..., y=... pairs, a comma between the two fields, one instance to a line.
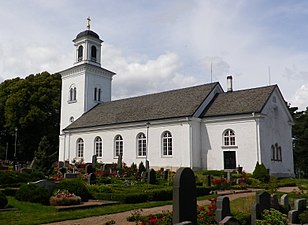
x=150, y=195
x=3, y=200
x=77, y=187
x=32, y=193
x=10, y=191
x=15, y=179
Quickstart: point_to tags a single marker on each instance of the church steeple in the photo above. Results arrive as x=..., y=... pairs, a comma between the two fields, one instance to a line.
x=88, y=47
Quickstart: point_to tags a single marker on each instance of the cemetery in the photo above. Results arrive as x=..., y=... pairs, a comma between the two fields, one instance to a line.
x=78, y=190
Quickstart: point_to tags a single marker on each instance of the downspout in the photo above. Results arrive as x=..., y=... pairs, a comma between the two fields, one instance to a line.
x=257, y=138
x=190, y=144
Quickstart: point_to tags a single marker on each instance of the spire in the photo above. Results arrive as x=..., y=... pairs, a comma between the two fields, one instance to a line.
x=88, y=22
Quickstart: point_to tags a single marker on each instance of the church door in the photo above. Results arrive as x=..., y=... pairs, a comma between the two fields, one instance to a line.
x=229, y=160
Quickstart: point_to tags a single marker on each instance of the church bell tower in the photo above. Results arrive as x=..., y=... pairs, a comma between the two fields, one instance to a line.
x=86, y=83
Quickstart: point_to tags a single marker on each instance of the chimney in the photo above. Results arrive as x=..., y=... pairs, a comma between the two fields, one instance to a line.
x=229, y=83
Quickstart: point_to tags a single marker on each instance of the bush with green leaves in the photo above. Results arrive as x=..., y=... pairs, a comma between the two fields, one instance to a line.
x=3, y=200
x=15, y=179
x=75, y=186
x=261, y=173
x=303, y=217
x=273, y=217
x=32, y=193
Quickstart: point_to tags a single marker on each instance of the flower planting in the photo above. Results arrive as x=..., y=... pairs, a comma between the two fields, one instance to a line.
x=63, y=197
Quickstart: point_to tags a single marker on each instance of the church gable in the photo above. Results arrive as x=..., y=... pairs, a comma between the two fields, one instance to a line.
x=171, y=104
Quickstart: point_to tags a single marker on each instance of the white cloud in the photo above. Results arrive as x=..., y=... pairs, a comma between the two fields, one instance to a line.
x=300, y=99
x=139, y=75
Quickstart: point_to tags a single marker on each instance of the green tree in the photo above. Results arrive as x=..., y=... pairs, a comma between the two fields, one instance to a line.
x=32, y=105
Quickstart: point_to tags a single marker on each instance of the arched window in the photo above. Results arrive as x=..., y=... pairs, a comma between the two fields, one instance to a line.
x=80, y=53
x=229, y=138
x=98, y=146
x=97, y=94
x=279, y=154
x=273, y=152
x=167, y=143
x=72, y=93
x=141, y=144
x=93, y=53
x=118, y=145
x=80, y=148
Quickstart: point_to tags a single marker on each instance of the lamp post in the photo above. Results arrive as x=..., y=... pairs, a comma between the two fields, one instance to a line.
x=15, y=142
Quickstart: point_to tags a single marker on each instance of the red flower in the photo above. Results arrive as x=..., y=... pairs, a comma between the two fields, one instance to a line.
x=209, y=213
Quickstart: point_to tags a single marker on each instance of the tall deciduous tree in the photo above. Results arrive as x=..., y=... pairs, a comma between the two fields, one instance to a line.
x=32, y=105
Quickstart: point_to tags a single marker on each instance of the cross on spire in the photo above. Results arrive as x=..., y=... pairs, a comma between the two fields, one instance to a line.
x=88, y=23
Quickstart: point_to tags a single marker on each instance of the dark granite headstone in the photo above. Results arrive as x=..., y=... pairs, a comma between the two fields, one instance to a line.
x=94, y=160
x=228, y=220
x=299, y=206
x=26, y=170
x=275, y=202
x=152, y=177
x=223, y=208
x=60, y=164
x=147, y=165
x=284, y=201
x=165, y=174
x=70, y=175
x=50, y=186
x=91, y=178
x=263, y=201
x=119, y=164
x=208, y=180
x=89, y=168
x=184, y=196
x=62, y=170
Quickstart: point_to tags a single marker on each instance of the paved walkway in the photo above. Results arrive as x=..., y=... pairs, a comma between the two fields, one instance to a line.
x=121, y=218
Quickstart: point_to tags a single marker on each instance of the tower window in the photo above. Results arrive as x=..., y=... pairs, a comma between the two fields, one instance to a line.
x=97, y=94
x=93, y=53
x=72, y=94
x=80, y=53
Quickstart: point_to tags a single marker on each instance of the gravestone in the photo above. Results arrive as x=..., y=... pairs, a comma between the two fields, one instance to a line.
x=62, y=170
x=299, y=206
x=60, y=164
x=165, y=174
x=89, y=168
x=144, y=176
x=184, y=196
x=91, y=178
x=275, y=202
x=229, y=220
x=94, y=160
x=263, y=201
x=48, y=185
x=284, y=201
x=147, y=165
x=26, y=170
x=223, y=208
x=152, y=177
x=70, y=175
x=119, y=164
x=208, y=181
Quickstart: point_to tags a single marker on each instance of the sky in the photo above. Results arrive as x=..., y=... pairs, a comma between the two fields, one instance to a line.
x=159, y=45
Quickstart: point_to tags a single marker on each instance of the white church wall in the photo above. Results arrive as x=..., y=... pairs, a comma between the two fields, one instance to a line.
x=276, y=127
x=180, y=140
x=245, y=142
x=195, y=146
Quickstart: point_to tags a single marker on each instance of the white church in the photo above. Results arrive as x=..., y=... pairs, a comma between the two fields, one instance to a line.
x=201, y=127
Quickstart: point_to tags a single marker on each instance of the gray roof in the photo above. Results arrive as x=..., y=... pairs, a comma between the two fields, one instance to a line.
x=171, y=104
x=240, y=102
x=87, y=33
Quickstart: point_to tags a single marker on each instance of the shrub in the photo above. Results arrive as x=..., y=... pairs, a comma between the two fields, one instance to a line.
x=77, y=187
x=273, y=217
x=160, y=195
x=14, y=179
x=10, y=191
x=303, y=217
x=243, y=218
x=141, y=168
x=32, y=193
x=3, y=200
x=128, y=198
x=261, y=173
x=201, y=191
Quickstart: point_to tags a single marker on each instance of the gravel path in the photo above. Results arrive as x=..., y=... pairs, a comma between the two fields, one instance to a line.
x=120, y=218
